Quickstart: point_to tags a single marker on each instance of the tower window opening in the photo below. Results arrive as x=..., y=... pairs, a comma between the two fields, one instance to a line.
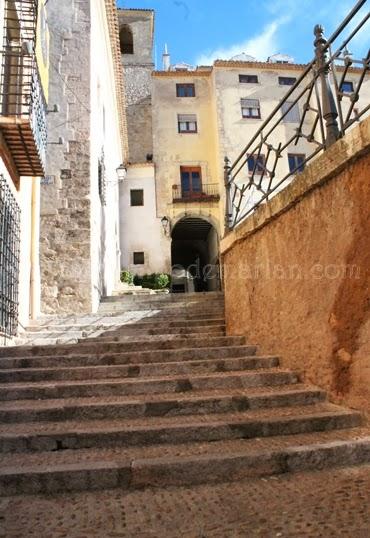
x=126, y=40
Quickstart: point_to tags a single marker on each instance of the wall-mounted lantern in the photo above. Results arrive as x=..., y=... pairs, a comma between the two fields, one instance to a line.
x=165, y=225
x=121, y=172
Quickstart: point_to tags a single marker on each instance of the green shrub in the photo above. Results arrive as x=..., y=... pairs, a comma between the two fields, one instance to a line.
x=154, y=281
x=127, y=277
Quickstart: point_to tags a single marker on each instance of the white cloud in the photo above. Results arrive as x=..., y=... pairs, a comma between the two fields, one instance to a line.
x=260, y=46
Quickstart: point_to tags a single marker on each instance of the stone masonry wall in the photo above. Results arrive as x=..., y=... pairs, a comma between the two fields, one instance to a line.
x=297, y=272
x=138, y=88
x=65, y=203
x=137, y=69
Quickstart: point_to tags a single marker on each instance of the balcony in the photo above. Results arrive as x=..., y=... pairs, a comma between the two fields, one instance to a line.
x=209, y=193
x=22, y=101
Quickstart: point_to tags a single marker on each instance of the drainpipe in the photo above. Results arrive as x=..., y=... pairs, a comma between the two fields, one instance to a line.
x=35, y=250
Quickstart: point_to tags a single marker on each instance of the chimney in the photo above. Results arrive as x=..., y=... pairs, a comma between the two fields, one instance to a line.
x=166, y=62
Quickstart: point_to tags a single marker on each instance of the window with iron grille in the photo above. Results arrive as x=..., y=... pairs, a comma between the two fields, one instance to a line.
x=248, y=79
x=287, y=81
x=250, y=108
x=9, y=259
x=101, y=180
x=185, y=90
x=187, y=123
x=256, y=163
x=296, y=162
x=293, y=115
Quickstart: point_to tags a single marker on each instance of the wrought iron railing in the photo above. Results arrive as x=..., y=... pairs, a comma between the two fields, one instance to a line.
x=315, y=112
x=208, y=192
x=9, y=260
x=21, y=93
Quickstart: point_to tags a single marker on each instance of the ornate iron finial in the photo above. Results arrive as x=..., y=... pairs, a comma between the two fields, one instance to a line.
x=329, y=109
x=318, y=30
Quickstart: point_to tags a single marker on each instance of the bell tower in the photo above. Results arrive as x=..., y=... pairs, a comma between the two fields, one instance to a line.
x=136, y=27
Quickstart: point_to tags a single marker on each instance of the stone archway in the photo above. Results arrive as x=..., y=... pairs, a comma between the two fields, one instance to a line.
x=195, y=253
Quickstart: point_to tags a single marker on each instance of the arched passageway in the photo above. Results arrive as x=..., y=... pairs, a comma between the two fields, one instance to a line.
x=195, y=256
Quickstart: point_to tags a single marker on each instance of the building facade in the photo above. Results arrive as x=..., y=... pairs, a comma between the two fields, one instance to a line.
x=79, y=244
x=197, y=117
x=24, y=60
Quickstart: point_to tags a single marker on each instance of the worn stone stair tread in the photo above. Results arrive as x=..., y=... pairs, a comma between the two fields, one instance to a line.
x=135, y=370
x=128, y=357
x=153, y=337
x=74, y=428
x=18, y=461
x=142, y=344
x=179, y=377
x=196, y=396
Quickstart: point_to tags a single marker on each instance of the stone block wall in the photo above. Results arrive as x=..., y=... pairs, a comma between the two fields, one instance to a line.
x=137, y=70
x=297, y=272
x=65, y=203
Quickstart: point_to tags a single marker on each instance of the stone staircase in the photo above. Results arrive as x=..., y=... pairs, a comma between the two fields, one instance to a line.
x=161, y=397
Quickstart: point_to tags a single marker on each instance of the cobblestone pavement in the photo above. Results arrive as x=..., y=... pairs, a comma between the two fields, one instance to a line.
x=334, y=503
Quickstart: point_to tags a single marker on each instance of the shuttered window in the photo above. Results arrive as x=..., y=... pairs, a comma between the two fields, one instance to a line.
x=187, y=123
x=293, y=114
x=250, y=108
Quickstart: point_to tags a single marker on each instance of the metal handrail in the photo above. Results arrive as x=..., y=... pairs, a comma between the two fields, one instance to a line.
x=208, y=190
x=319, y=98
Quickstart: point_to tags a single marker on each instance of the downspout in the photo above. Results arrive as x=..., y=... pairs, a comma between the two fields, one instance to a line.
x=35, y=250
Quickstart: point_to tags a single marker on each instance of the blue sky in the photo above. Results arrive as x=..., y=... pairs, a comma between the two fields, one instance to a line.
x=198, y=31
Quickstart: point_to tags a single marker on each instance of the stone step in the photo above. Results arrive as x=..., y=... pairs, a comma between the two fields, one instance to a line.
x=164, y=308
x=169, y=298
x=130, y=330
x=159, y=405
x=132, y=357
x=85, y=348
x=153, y=385
x=149, y=323
x=131, y=468
x=162, y=336
x=141, y=324
x=56, y=372
x=71, y=435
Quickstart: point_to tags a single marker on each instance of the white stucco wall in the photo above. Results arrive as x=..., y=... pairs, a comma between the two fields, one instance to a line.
x=23, y=197
x=141, y=228
x=105, y=135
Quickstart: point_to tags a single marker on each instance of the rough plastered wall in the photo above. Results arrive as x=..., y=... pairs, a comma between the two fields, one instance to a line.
x=297, y=273
x=65, y=192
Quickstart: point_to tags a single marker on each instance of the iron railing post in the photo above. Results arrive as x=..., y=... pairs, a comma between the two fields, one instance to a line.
x=329, y=109
x=227, y=182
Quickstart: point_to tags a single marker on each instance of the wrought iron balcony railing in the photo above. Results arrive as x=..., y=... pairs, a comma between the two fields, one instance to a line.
x=9, y=260
x=22, y=101
x=208, y=192
x=322, y=103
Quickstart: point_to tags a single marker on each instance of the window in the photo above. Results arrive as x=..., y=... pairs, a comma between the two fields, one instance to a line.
x=248, y=79
x=293, y=115
x=185, y=90
x=260, y=167
x=187, y=123
x=296, y=162
x=191, y=181
x=139, y=258
x=126, y=40
x=287, y=81
x=137, y=197
x=346, y=86
x=250, y=108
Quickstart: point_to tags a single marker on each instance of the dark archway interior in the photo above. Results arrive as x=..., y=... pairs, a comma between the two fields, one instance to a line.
x=195, y=248
x=126, y=40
